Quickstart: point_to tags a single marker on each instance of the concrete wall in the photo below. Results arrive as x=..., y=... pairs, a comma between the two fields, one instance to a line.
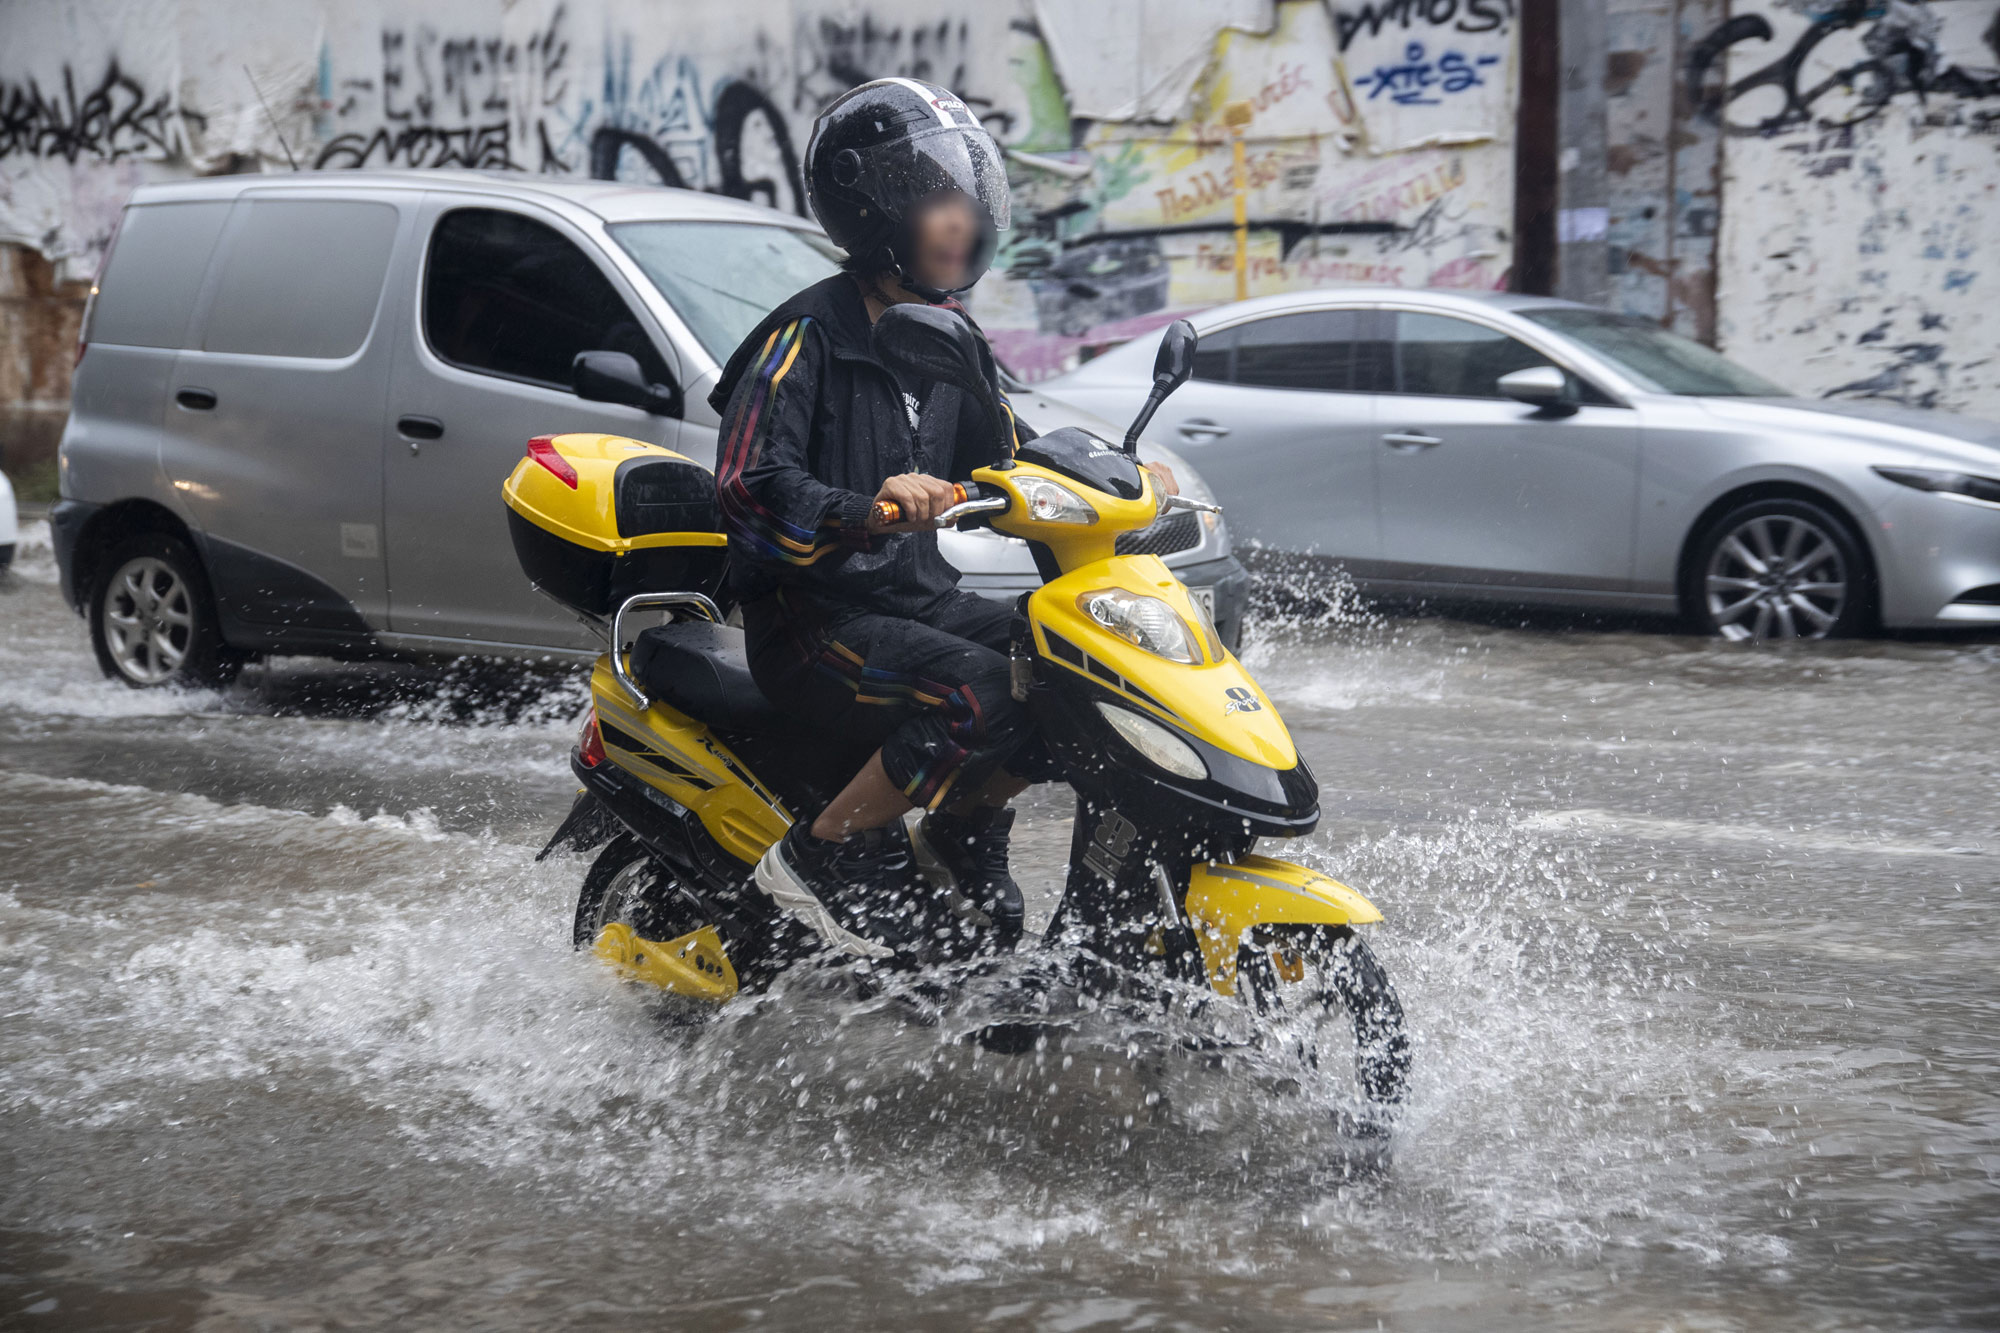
x=1380, y=149
x=1815, y=188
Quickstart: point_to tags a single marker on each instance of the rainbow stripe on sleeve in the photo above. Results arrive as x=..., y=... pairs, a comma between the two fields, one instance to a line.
x=771, y=534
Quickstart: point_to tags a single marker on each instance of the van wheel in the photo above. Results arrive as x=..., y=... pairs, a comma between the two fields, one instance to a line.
x=152, y=619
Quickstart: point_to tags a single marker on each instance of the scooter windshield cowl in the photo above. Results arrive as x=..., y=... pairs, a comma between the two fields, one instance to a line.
x=1076, y=453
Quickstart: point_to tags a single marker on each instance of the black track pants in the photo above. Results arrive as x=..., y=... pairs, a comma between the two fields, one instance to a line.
x=933, y=693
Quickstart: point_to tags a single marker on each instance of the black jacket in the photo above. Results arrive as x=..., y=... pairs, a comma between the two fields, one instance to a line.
x=812, y=425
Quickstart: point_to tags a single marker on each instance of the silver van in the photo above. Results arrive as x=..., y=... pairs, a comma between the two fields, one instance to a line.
x=297, y=396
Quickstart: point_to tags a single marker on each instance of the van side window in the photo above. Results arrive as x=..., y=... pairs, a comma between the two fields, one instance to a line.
x=157, y=263
x=506, y=295
x=301, y=277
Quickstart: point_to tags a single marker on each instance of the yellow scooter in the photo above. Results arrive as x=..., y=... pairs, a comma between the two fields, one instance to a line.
x=1179, y=762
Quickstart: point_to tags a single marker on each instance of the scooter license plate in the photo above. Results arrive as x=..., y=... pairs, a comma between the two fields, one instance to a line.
x=1205, y=599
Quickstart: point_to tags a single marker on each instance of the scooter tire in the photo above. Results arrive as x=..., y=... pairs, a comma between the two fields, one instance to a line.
x=1357, y=983
x=629, y=884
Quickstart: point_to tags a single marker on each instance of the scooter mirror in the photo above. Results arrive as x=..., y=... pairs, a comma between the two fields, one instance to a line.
x=929, y=343
x=1175, y=361
x=926, y=342
x=1172, y=365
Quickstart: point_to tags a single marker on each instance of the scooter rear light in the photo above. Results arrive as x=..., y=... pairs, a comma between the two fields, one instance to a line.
x=543, y=450
x=590, y=744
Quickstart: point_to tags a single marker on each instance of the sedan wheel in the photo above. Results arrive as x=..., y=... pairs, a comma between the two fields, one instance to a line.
x=1778, y=569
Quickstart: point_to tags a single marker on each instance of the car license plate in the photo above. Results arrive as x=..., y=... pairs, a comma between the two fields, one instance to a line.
x=1205, y=599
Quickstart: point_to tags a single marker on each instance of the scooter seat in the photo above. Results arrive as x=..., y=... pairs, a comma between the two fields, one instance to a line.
x=702, y=670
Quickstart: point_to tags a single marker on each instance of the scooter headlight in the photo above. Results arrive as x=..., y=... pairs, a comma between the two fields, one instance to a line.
x=1053, y=502
x=1144, y=622
x=1155, y=742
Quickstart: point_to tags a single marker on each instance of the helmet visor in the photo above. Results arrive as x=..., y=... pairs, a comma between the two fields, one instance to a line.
x=901, y=175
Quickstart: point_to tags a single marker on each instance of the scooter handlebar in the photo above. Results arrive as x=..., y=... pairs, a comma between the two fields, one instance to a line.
x=967, y=502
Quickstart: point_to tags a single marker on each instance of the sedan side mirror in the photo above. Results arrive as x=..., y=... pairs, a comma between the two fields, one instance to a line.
x=1544, y=387
x=615, y=377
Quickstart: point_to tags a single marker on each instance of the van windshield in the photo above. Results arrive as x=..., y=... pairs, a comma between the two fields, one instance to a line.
x=723, y=277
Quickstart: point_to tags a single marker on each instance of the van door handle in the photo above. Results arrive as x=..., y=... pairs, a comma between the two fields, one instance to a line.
x=1409, y=441
x=195, y=400
x=1198, y=430
x=420, y=428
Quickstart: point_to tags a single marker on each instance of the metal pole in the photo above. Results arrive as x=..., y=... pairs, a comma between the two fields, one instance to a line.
x=1237, y=117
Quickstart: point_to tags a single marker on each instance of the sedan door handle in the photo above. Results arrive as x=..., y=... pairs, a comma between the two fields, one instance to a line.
x=1200, y=429
x=1410, y=441
x=196, y=400
x=420, y=428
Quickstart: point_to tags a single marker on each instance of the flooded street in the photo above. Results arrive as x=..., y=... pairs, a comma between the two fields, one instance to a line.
x=1700, y=948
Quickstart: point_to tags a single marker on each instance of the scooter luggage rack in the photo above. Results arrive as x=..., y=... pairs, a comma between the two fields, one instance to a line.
x=651, y=601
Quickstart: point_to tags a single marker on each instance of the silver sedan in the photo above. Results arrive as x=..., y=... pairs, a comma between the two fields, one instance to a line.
x=1531, y=451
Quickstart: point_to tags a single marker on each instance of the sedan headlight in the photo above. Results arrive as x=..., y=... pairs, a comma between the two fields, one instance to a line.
x=1053, y=502
x=1159, y=745
x=1144, y=622
x=1968, y=484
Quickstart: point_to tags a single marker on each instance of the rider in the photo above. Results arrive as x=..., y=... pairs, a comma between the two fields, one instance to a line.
x=854, y=624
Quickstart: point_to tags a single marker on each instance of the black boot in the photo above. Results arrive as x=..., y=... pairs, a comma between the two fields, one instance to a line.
x=859, y=895
x=973, y=849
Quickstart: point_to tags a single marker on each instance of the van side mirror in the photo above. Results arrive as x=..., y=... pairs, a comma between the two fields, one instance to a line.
x=1544, y=387
x=927, y=342
x=1172, y=365
x=615, y=377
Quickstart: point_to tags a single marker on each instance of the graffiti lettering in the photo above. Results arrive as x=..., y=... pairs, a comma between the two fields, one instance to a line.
x=1212, y=188
x=1219, y=258
x=1291, y=79
x=1413, y=192
x=1902, y=57
x=1412, y=82
x=481, y=146
x=852, y=53
x=459, y=101
x=1459, y=15
x=115, y=118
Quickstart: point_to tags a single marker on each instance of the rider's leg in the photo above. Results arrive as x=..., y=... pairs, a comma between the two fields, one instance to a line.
x=871, y=800
x=998, y=790
x=940, y=707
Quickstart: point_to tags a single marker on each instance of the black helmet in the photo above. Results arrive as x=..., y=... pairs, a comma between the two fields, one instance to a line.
x=882, y=149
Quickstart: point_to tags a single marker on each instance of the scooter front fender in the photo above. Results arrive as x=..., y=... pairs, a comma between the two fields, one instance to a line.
x=1226, y=900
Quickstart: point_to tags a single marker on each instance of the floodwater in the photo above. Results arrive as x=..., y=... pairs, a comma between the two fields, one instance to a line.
x=1701, y=949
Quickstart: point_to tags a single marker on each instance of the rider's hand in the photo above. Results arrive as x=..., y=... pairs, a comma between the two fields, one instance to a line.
x=1163, y=476
x=921, y=497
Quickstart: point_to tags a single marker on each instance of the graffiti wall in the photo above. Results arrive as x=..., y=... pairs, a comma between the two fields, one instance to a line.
x=1814, y=185
x=1379, y=149
x=1861, y=230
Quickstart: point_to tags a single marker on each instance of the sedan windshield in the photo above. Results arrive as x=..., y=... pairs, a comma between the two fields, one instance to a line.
x=1661, y=361
x=723, y=277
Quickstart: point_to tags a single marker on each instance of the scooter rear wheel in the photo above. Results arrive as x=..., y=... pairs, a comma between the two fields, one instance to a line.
x=628, y=885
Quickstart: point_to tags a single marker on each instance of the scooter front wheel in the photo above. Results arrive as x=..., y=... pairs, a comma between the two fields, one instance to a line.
x=1329, y=966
